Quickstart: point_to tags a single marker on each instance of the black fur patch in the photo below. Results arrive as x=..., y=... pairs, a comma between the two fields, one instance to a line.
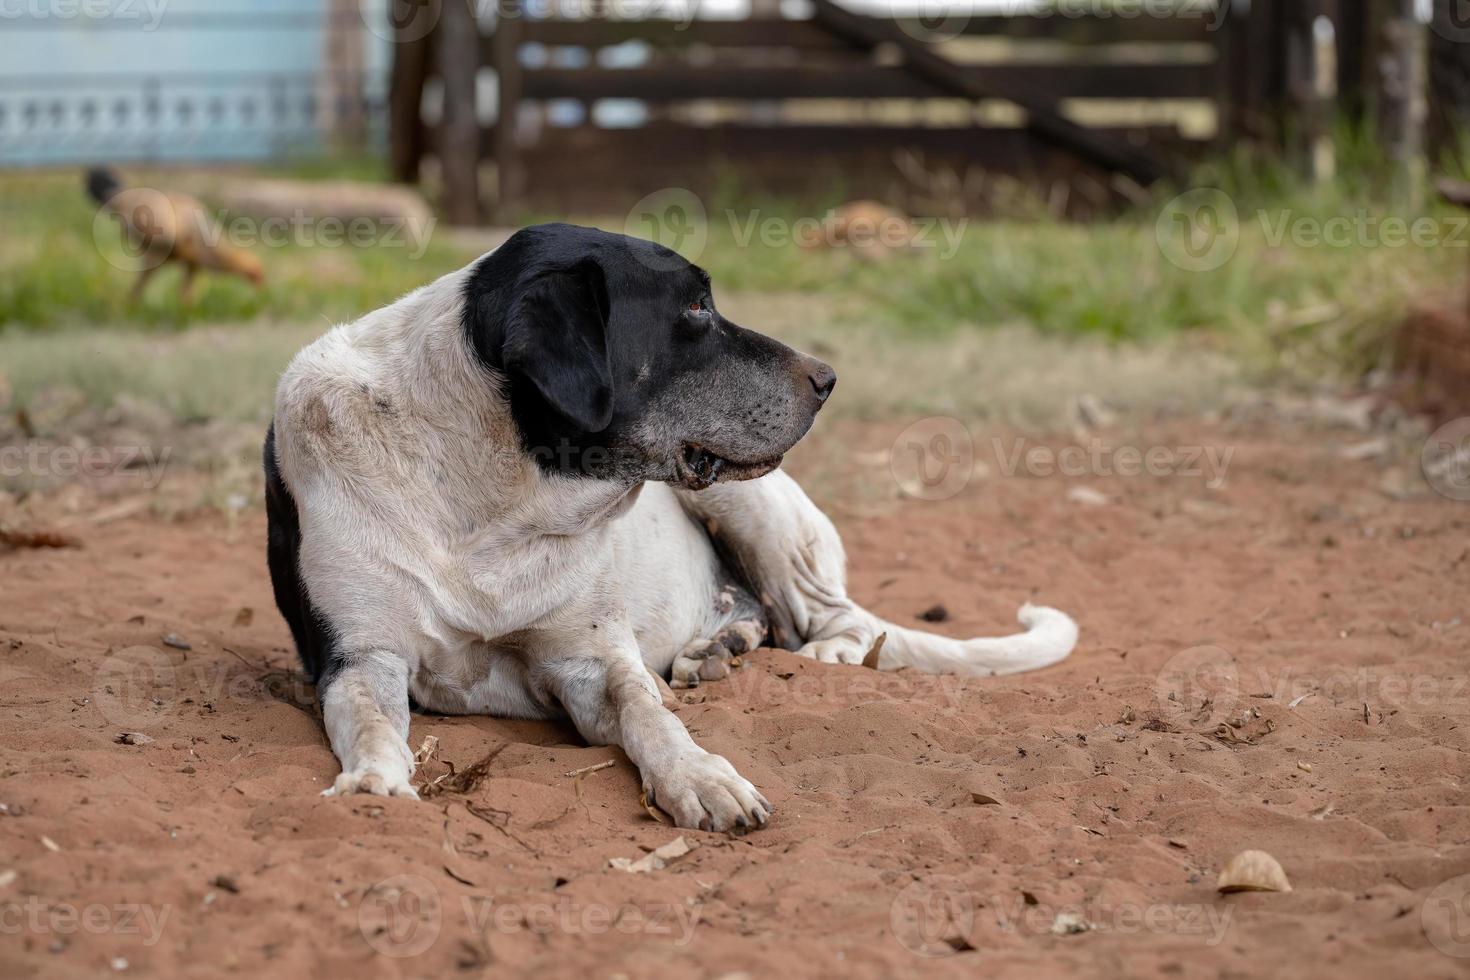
x=315, y=641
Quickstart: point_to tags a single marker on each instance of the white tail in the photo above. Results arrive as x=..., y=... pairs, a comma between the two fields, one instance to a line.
x=1050, y=636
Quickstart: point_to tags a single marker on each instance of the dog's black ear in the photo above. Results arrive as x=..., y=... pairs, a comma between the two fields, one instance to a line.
x=556, y=338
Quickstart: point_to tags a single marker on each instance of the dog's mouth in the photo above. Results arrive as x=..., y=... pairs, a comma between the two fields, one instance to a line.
x=697, y=468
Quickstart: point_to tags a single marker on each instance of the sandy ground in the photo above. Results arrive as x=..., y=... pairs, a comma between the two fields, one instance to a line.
x=1066, y=822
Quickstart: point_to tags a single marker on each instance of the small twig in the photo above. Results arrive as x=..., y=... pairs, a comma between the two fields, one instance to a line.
x=605, y=764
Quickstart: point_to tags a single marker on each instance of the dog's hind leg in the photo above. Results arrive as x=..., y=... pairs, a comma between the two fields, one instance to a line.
x=710, y=660
x=790, y=555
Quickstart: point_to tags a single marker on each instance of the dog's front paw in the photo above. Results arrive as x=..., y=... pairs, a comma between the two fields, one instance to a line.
x=704, y=792
x=373, y=781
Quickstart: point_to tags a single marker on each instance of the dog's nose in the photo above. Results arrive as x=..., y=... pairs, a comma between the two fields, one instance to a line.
x=823, y=379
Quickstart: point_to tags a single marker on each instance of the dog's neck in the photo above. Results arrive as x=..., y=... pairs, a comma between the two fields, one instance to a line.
x=447, y=384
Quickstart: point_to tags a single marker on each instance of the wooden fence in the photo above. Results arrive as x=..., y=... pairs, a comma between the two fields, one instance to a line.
x=876, y=106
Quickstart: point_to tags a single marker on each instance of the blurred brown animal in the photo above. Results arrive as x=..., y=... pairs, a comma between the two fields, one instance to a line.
x=873, y=231
x=168, y=227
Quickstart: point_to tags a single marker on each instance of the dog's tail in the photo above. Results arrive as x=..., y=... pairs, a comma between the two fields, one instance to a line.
x=1050, y=636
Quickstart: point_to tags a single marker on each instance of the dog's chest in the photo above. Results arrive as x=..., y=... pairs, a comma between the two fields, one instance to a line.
x=669, y=576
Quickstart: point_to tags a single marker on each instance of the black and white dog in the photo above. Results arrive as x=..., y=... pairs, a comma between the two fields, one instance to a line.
x=517, y=491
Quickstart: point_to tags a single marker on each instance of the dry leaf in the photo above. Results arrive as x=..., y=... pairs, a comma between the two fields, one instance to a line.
x=1252, y=871
x=984, y=799
x=133, y=738
x=1304, y=766
x=655, y=860
x=245, y=616
x=870, y=660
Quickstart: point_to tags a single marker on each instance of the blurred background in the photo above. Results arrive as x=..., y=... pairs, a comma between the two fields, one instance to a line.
x=1134, y=206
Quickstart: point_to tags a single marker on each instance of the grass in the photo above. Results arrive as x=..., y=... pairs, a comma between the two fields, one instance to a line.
x=1289, y=305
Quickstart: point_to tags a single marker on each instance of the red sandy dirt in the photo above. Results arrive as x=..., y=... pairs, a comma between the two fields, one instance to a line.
x=208, y=850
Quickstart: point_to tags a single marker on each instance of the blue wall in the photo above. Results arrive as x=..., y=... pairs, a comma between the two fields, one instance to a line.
x=167, y=80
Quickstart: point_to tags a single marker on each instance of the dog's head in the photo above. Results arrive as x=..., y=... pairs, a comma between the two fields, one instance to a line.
x=619, y=364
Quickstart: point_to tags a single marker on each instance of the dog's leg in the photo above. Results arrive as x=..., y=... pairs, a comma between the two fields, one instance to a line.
x=613, y=700
x=365, y=709
x=790, y=554
x=709, y=660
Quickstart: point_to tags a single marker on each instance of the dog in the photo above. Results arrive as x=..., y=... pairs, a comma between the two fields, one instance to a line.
x=532, y=485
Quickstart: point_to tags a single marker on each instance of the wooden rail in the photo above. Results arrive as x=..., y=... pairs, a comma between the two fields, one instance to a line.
x=722, y=91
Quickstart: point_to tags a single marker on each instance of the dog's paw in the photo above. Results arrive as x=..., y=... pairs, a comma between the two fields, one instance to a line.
x=837, y=650
x=371, y=781
x=704, y=792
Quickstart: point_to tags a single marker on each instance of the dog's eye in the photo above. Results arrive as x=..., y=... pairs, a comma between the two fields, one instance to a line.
x=700, y=308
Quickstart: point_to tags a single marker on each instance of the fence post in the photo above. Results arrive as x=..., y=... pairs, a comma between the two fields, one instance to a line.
x=412, y=50
x=1311, y=85
x=506, y=51
x=459, y=142
x=1402, y=106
